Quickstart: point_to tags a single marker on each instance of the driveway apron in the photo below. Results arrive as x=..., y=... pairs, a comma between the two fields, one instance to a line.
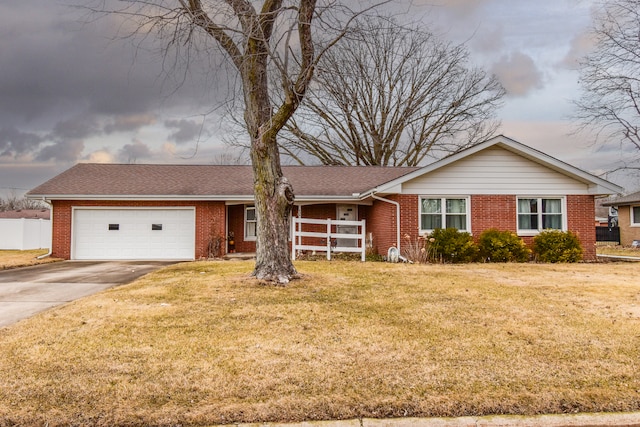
x=29, y=290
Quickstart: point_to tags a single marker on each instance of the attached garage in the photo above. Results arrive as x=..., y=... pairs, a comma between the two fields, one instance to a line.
x=133, y=233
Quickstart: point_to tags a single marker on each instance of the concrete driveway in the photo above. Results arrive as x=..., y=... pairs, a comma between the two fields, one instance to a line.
x=29, y=290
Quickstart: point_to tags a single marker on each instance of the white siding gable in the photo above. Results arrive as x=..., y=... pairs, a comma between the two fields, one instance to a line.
x=494, y=170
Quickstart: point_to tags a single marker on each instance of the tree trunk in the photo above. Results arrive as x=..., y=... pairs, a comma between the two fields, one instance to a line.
x=274, y=199
x=273, y=193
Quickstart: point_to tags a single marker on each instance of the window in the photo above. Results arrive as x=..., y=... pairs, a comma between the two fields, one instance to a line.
x=537, y=214
x=444, y=213
x=156, y=227
x=250, y=223
x=635, y=216
x=114, y=227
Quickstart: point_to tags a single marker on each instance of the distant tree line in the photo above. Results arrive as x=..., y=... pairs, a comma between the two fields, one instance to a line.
x=12, y=203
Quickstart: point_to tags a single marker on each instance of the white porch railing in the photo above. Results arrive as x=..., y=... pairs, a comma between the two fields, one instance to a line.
x=331, y=237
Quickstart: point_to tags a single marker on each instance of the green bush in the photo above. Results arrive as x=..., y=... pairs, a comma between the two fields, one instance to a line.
x=557, y=246
x=502, y=246
x=451, y=246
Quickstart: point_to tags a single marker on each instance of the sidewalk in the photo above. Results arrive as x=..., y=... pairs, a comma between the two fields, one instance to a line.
x=631, y=419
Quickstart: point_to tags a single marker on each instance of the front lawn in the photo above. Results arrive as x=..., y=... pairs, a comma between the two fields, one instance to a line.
x=202, y=343
x=14, y=259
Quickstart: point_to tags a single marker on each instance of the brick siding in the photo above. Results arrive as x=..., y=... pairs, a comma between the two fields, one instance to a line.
x=627, y=233
x=487, y=211
x=580, y=216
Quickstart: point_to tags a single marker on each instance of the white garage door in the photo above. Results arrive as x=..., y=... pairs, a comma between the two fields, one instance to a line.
x=136, y=234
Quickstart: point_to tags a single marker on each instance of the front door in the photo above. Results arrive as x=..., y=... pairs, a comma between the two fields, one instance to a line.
x=347, y=213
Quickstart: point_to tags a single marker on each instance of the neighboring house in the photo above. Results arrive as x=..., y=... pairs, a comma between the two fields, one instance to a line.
x=628, y=217
x=24, y=229
x=115, y=211
x=26, y=213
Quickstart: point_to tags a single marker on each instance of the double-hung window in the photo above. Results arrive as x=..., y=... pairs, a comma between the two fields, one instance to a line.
x=538, y=213
x=444, y=212
x=635, y=216
x=250, y=223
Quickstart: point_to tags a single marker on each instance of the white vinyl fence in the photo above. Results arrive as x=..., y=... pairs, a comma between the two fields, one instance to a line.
x=25, y=233
x=334, y=238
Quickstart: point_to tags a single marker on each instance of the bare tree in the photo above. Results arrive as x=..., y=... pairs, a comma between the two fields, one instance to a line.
x=12, y=202
x=391, y=95
x=285, y=37
x=610, y=77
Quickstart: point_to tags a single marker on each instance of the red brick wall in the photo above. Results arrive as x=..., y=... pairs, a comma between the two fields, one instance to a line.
x=210, y=221
x=236, y=225
x=381, y=223
x=493, y=211
x=580, y=215
x=409, y=217
x=487, y=211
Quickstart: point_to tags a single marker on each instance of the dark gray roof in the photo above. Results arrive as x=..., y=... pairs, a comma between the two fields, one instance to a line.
x=104, y=179
x=629, y=199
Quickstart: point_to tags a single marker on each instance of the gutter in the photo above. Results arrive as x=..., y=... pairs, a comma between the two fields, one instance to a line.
x=51, y=219
x=382, y=199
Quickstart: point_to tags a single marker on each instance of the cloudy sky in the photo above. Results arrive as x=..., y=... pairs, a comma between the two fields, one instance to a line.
x=70, y=92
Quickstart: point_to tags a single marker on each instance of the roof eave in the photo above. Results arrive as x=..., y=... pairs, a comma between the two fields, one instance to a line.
x=172, y=197
x=130, y=197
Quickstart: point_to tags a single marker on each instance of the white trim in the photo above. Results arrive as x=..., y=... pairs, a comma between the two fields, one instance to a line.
x=563, y=212
x=632, y=218
x=443, y=214
x=227, y=199
x=248, y=238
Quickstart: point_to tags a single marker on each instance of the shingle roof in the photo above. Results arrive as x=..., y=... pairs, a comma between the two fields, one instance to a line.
x=629, y=199
x=100, y=179
x=26, y=213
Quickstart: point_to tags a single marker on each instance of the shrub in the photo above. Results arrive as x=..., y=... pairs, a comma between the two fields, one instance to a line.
x=452, y=246
x=557, y=246
x=502, y=246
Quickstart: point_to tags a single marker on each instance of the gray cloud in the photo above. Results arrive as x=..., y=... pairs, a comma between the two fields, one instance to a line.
x=581, y=45
x=134, y=152
x=64, y=151
x=132, y=122
x=14, y=142
x=186, y=130
x=518, y=74
x=77, y=127
x=489, y=41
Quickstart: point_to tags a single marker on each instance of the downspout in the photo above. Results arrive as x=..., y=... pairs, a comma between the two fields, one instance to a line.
x=382, y=199
x=51, y=219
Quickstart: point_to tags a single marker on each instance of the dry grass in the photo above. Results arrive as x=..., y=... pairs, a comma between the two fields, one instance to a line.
x=201, y=343
x=618, y=251
x=14, y=259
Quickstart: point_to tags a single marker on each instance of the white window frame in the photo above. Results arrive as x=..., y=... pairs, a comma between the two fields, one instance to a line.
x=443, y=204
x=635, y=222
x=529, y=232
x=247, y=237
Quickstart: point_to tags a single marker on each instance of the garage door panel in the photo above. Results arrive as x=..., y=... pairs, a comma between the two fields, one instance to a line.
x=135, y=236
